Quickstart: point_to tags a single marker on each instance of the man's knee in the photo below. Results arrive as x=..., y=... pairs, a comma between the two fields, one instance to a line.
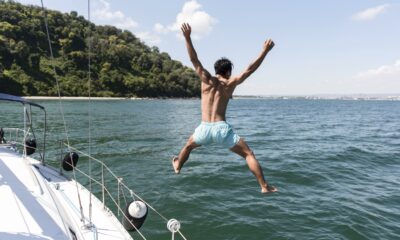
x=246, y=149
x=249, y=153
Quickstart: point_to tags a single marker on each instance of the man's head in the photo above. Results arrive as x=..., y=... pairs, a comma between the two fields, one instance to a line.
x=223, y=67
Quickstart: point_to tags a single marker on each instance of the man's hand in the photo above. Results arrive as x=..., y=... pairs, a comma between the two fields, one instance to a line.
x=186, y=30
x=268, y=45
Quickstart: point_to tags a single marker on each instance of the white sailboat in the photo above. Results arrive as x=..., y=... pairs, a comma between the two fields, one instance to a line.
x=40, y=202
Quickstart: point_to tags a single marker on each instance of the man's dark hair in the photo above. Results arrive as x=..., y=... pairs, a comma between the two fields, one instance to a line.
x=223, y=66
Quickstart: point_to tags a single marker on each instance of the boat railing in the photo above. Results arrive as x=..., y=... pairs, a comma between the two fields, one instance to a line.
x=106, y=181
x=16, y=137
x=112, y=190
x=13, y=135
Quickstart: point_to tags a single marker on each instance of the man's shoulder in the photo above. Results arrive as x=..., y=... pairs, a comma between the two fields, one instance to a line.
x=232, y=81
x=210, y=80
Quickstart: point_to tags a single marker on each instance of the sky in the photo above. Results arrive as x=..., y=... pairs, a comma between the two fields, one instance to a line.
x=321, y=47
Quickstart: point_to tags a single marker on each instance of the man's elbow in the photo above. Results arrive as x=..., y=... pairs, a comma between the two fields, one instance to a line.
x=194, y=60
x=247, y=73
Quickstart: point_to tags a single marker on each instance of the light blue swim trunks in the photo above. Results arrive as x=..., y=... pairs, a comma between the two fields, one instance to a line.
x=215, y=132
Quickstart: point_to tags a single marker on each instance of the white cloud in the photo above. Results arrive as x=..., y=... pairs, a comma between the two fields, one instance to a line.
x=385, y=72
x=103, y=13
x=126, y=24
x=149, y=37
x=383, y=79
x=159, y=28
x=201, y=22
x=192, y=12
x=370, y=13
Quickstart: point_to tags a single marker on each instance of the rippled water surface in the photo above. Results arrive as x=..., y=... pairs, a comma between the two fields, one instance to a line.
x=336, y=165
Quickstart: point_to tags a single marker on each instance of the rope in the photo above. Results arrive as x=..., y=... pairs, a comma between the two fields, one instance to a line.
x=119, y=195
x=59, y=100
x=180, y=233
x=123, y=194
x=89, y=113
x=174, y=226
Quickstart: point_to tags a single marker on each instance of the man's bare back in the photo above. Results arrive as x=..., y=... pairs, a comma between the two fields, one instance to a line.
x=215, y=94
x=215, y=98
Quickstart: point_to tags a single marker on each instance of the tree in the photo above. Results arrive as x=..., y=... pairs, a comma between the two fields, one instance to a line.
x=121, y=64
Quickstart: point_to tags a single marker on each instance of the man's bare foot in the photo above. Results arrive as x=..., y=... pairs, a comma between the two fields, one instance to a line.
x=175, y=164
x=268, y=189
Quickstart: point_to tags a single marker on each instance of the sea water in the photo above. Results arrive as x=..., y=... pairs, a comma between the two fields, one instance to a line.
x=335, y=163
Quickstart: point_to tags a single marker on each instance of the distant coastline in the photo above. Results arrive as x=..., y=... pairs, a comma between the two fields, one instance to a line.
x=386, y=97
x=76, y=98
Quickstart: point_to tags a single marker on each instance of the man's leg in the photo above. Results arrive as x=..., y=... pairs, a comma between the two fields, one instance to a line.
x=242, y=149
x=177, y=162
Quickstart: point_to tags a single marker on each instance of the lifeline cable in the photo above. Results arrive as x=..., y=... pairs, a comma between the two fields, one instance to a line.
x=60, y=104
x=89, y=113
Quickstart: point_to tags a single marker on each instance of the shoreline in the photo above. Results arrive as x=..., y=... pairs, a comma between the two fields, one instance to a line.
x=394, y=97
x=98, y=98
x=79, y=98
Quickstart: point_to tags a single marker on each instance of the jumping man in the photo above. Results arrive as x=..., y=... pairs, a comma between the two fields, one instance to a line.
x=215, y=94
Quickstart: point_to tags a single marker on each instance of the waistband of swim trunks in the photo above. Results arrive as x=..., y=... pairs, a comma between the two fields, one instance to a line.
x=214, y=123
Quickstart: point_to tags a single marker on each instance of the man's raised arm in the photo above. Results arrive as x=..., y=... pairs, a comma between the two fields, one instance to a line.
x=203, y=73
x=268, y=45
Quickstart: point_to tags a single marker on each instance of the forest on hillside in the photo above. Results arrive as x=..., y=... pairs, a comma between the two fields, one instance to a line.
x=121, y=64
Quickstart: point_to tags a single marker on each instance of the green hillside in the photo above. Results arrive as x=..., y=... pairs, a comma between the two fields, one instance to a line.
x=121, y=64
